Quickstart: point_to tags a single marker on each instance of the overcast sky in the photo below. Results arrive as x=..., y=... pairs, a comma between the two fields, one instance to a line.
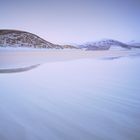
x=73, y=21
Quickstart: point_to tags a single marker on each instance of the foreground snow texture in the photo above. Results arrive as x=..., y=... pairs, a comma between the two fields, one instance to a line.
x=85, y=99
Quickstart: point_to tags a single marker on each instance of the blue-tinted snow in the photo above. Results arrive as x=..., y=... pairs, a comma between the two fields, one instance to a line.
x=85, y=99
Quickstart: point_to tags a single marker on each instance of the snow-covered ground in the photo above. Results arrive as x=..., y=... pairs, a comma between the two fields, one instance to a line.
x=84, y=99
x=25, y=57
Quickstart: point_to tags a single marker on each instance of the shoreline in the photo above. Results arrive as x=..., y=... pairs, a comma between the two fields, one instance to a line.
x=19, y=59
x=15, y=70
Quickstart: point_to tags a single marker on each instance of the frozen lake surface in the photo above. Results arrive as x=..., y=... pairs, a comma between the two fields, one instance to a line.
x=85, y=99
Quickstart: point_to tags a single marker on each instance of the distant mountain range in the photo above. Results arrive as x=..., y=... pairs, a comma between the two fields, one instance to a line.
x=107, y=44
x=16, y=38
x=134, y=44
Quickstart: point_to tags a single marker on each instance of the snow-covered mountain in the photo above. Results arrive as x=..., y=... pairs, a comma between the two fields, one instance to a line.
x=134, y=43
x=105, y=45
x=16, y=38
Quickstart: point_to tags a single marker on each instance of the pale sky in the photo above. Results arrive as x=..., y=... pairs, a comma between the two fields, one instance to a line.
x=73, y=21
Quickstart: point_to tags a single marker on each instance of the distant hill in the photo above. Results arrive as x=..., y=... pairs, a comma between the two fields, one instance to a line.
x=16, y=38
x=135, y=44
x=105, y=45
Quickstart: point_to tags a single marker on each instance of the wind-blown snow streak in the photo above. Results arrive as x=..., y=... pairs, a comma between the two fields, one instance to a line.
x=85, y=99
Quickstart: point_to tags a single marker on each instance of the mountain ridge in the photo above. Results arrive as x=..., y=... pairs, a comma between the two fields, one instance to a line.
x=105, y=44
x=17, y=38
